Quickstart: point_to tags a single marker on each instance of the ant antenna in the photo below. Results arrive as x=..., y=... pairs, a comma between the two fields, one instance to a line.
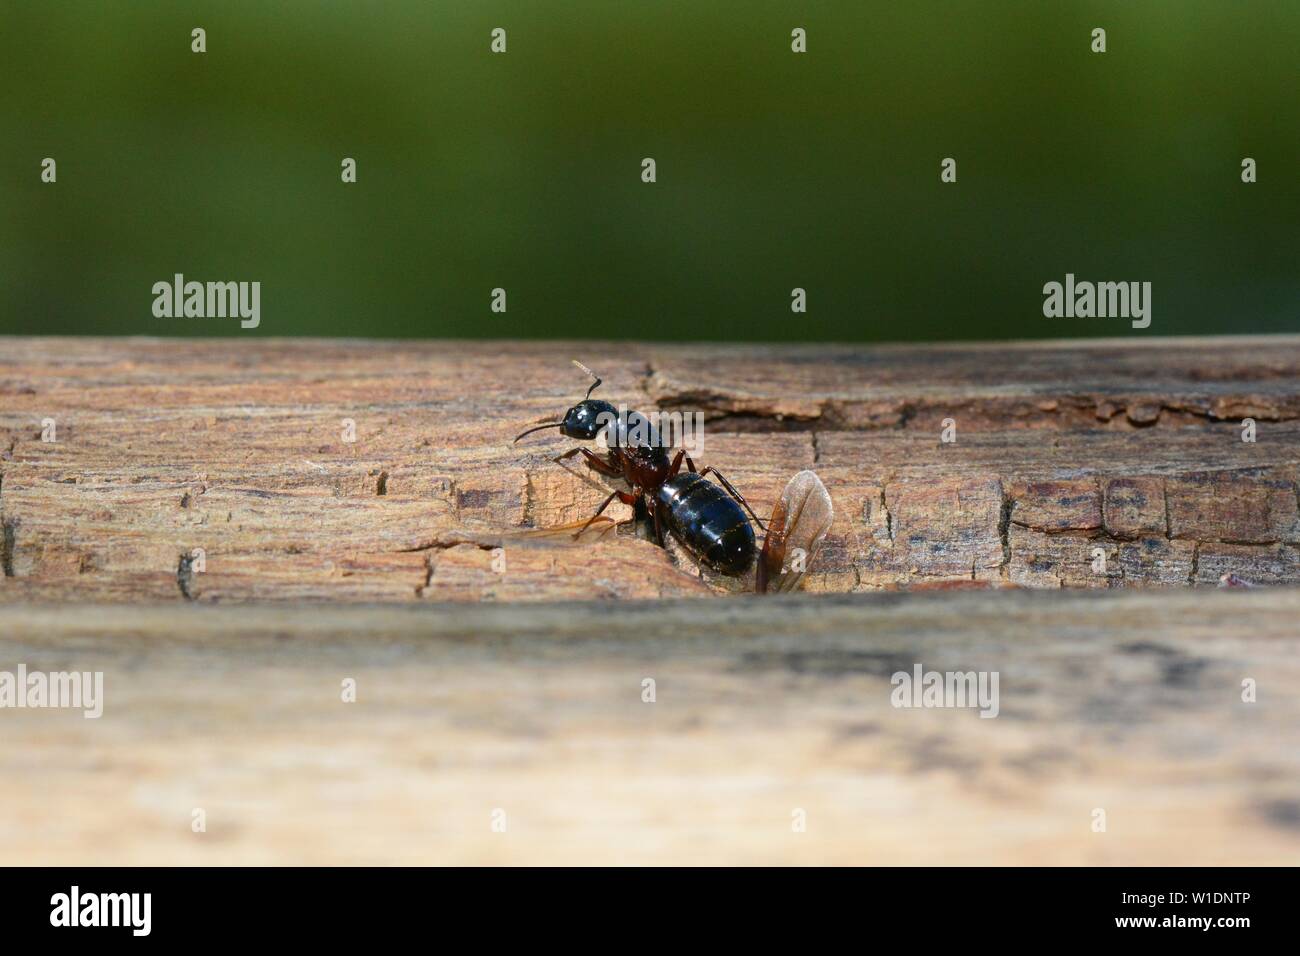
x=595, y=385
x=539, y=428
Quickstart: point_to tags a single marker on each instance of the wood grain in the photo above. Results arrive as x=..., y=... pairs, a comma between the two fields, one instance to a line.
x=236, y=447
x=1124, y=701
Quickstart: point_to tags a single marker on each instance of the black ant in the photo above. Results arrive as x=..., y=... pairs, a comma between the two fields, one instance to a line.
x=710, y=522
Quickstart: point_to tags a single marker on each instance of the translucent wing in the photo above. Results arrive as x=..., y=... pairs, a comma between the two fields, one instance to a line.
x=799, y=523
x=573, y=531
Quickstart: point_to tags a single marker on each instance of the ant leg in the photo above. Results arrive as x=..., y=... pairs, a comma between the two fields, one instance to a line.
x=677, y=464
x=639, y=515
x=594, y=462
x=659, y=527
x=622, y=496
x=734, y=493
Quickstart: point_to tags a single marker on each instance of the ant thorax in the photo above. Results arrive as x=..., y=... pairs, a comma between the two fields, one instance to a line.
x=643, y=467
x=629, y=429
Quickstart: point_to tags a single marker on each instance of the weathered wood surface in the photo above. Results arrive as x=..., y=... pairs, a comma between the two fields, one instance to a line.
x=236, y=447
x=1124, y=701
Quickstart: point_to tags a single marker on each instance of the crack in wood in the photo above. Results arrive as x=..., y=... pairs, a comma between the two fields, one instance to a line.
x=185, y=576
x=7, y=536
x=1004, y=530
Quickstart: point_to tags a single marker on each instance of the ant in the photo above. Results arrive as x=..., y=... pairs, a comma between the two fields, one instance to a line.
x=709, y=521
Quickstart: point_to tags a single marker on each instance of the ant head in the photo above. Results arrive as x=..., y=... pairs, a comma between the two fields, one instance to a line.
x=584, y=420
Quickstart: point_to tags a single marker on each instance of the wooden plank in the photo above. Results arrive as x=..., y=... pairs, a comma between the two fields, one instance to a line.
x=1124, y=701
x=237, y=447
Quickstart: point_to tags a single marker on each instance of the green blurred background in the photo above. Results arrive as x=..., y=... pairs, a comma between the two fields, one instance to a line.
x=775, y=170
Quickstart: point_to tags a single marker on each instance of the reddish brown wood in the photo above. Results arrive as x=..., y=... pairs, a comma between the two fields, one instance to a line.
x=236, y=447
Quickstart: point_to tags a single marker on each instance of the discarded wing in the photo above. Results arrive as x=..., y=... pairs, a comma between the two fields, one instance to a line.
x=799, y=523
x=573, y=531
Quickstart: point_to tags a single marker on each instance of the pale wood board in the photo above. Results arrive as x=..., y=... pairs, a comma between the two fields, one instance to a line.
x=1128, y=701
